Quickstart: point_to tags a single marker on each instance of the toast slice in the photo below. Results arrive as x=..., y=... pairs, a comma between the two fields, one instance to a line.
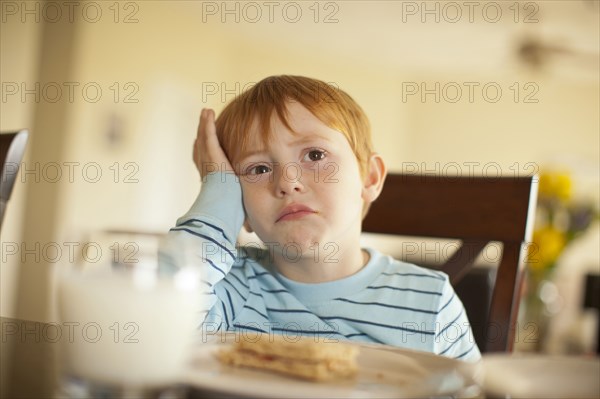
x=307, y=358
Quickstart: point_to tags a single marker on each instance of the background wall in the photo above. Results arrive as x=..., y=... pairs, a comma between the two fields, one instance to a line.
x=115, y=153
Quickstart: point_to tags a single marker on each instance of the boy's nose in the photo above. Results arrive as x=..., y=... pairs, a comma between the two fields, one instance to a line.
x=288, y=181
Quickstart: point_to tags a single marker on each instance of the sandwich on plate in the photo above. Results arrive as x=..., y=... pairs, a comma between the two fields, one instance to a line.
x=310, y=358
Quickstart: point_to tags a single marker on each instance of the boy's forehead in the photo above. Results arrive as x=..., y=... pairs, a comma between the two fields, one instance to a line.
x=260, y=133
x=299, y=122
x=253, y=143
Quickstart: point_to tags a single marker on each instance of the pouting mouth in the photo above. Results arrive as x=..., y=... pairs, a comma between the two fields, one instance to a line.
x=294, y=211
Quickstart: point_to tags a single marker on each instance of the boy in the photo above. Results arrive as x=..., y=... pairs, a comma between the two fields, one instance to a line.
x=291, y=159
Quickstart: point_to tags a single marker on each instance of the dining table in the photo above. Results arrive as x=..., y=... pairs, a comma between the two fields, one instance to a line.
x=28, y=359
x=31, y=368
x=31, y=356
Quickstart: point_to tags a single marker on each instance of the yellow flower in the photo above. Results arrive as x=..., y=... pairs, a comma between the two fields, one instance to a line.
x=555, y=185
x=548, y=244
x=563, y=186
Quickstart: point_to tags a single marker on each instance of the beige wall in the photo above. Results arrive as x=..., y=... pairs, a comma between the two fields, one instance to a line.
x=19, y=62
x=169, y=55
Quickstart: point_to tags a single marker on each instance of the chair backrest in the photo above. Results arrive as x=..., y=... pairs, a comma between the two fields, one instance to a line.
x=475, y=210
x=12, y=149
x=591, y=300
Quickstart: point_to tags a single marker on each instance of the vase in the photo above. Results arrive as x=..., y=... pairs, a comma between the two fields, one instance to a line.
x=537, y=308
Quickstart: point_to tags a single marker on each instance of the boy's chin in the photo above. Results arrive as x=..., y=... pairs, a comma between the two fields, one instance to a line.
x=297, y=245
x=306, y=248
x=304, y=244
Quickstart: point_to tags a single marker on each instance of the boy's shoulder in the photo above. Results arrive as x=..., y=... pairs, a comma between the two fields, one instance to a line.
x=395, y=268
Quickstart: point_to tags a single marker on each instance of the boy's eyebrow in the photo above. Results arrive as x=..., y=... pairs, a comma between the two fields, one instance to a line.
x=312, y=137
x=249, y=154
x=303, y=140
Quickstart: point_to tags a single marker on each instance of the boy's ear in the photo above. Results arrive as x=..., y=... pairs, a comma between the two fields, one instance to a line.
x=373, y=182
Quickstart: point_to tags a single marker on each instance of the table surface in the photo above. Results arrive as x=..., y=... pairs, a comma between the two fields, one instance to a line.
x=31, y=357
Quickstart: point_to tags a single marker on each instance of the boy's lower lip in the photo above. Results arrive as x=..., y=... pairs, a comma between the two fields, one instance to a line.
x=295, y=215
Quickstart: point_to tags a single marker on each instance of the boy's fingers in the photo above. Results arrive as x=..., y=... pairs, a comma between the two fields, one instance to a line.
x=202, y=124
x=211, y=129
x=210, y=132
x=206, y=124
x=207, y=148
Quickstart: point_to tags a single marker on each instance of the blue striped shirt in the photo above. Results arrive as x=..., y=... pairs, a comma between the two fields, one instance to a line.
x=387, y=301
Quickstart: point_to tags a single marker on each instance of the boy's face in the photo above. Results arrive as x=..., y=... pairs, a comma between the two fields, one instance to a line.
x=305, y=189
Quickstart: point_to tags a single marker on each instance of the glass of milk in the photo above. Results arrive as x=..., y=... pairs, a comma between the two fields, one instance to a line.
x=130, y=326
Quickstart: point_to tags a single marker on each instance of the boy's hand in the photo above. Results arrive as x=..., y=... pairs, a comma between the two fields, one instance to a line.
x=208, y=154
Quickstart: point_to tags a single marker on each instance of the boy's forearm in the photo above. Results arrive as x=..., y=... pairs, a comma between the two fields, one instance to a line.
x=220, y=200
x=206, y=235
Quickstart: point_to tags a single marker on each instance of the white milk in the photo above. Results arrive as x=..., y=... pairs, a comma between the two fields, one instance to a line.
x=130, y=329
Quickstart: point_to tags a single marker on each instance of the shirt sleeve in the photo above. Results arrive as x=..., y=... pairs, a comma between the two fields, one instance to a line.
x=453, y=335
x=206, y=235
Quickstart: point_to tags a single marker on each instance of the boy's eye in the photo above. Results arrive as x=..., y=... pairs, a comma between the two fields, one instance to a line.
x=258, y=170
x=314, y=155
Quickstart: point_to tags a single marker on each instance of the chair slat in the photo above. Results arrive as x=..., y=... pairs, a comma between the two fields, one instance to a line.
x=452, y=207
x=463, y=259
x=505, y=301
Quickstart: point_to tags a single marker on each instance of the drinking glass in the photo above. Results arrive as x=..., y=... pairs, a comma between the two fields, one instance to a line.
x=130, y=326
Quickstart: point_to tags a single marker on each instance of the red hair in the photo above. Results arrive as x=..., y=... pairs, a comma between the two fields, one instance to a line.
x=329, y=104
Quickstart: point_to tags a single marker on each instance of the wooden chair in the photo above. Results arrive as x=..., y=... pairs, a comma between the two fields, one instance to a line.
x=591, y=300
x=477, y=211
x=12, y=149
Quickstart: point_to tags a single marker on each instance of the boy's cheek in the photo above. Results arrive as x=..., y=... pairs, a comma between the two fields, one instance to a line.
x=245, y=206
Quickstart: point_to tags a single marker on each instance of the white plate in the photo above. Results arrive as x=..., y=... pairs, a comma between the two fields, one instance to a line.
x=384, y=372
x=541, y=376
